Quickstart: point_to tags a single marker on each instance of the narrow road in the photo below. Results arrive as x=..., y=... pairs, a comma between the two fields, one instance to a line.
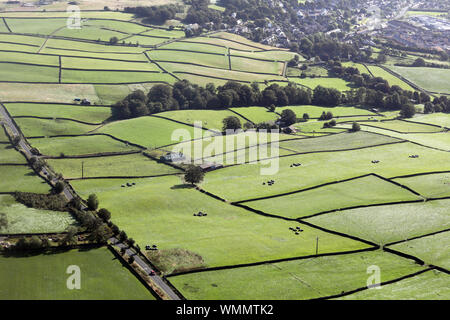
x=7, y=120
x=157, y=279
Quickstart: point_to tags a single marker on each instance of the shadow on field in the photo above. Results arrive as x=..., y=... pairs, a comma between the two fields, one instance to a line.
x=182, y=186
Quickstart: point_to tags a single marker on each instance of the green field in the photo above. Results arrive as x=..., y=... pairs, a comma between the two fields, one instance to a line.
x=126, y=165
x=92, y=64
x=431, y=185
x=312, y=83
x=102, y=77
x=29, y=220
x=256, y=114
x=150, y=132
x=431, y=285
x=370, y=190
x=316, y=111
x=385, y=224
x=80, y=113
x=9, y=155
x=432, y=79
x=323, y=167
x=212, y=60
x=160, y=210
x=44, y=277
x=79, y=145
x=391, y=79
x=32, y=127
x=439, y=119
x=403, y=126
x=298, y=279
x=429, y=249
x=28, y=73
x=211, y=119
x=21, y=178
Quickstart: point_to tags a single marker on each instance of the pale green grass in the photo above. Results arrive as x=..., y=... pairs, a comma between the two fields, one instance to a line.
x=312, y=83
x=79, y=145
x=319, y=168
x=44, y=277
x=250, y=65
x=21, y=178
x=101, y=77
x=32, y=127
x=432, y=185
x=88, y=114
x=22, y=219
x=391, y=79
x=27, y=73
x=29, y=58
x=440, y=119
x=431, y=285
x=126, y=165
x=293, y=280
x=362, y=191
x=430, y=249
x=316, y=111
x=9, y=155
x=404, y=126
x=385, y=224
x=211, y=60
x=432, y=79
x=160, y=211
x=85, y=63
x=257, y=114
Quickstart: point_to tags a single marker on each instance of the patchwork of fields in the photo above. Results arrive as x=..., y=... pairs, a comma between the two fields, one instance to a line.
x=337, y=203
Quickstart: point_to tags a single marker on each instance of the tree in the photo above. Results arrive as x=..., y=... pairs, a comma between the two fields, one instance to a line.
x=131, y=241
x=355, y=127
x=104, y=214
x=3, y=221
x=288, y=117
x=408, y=111
x=419, y=62
x=113, y=40
x=92, y=202
x=232, y=123
x=123, y=236
x=305, y=116
x=70, y=237
x=59, y=187
x=15, y=141
x=194, y=174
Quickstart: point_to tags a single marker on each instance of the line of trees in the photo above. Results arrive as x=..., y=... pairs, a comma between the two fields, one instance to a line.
x=185, y=95
x=154, y=14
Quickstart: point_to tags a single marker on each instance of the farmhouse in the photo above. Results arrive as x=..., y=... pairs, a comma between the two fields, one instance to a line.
x=173, y=157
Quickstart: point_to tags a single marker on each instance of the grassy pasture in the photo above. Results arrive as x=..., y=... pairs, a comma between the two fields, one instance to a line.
x=57, y=14
x=436, y=140
x=439, y=119
x=251, y=65
x=92, y=47
x=315, y=128
x=337, y=142
x=21, y=39
x=298, y=279
x=256, y=114
x=35, y=26
x=3, y=137
x=224, y=43
x=319, y=168
x=27, y=73
x=124, y=165
x=117, y=25
x=362, y=191
x=391, y=79
x=312, y=83
x=53, y=92
x=210, y=73
x=9, y=155
x=362, y=69
x=44, y=277
x=81, y=113
x=238, y=38
x=432, y=79
x=429, y=249
x=3, y=27
x=150, y=132
x=18, y=47
x=276, y=55
x=200, y=47
x=32, y=127
x=316, y=111
x=101, y=77
x=89, y=33
x=160, y=210
x=109, y=94
x=24, y=178
x=173, y=34
x=431, y=185
x=78, y=145
x=212, y=60
x=385, y=224
x=431, y=285
x=403, y=126
x=22, y=219
x=138, y=57
x=211, y=119
x=29, y=58
x=142, y=40
x=86, y=63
